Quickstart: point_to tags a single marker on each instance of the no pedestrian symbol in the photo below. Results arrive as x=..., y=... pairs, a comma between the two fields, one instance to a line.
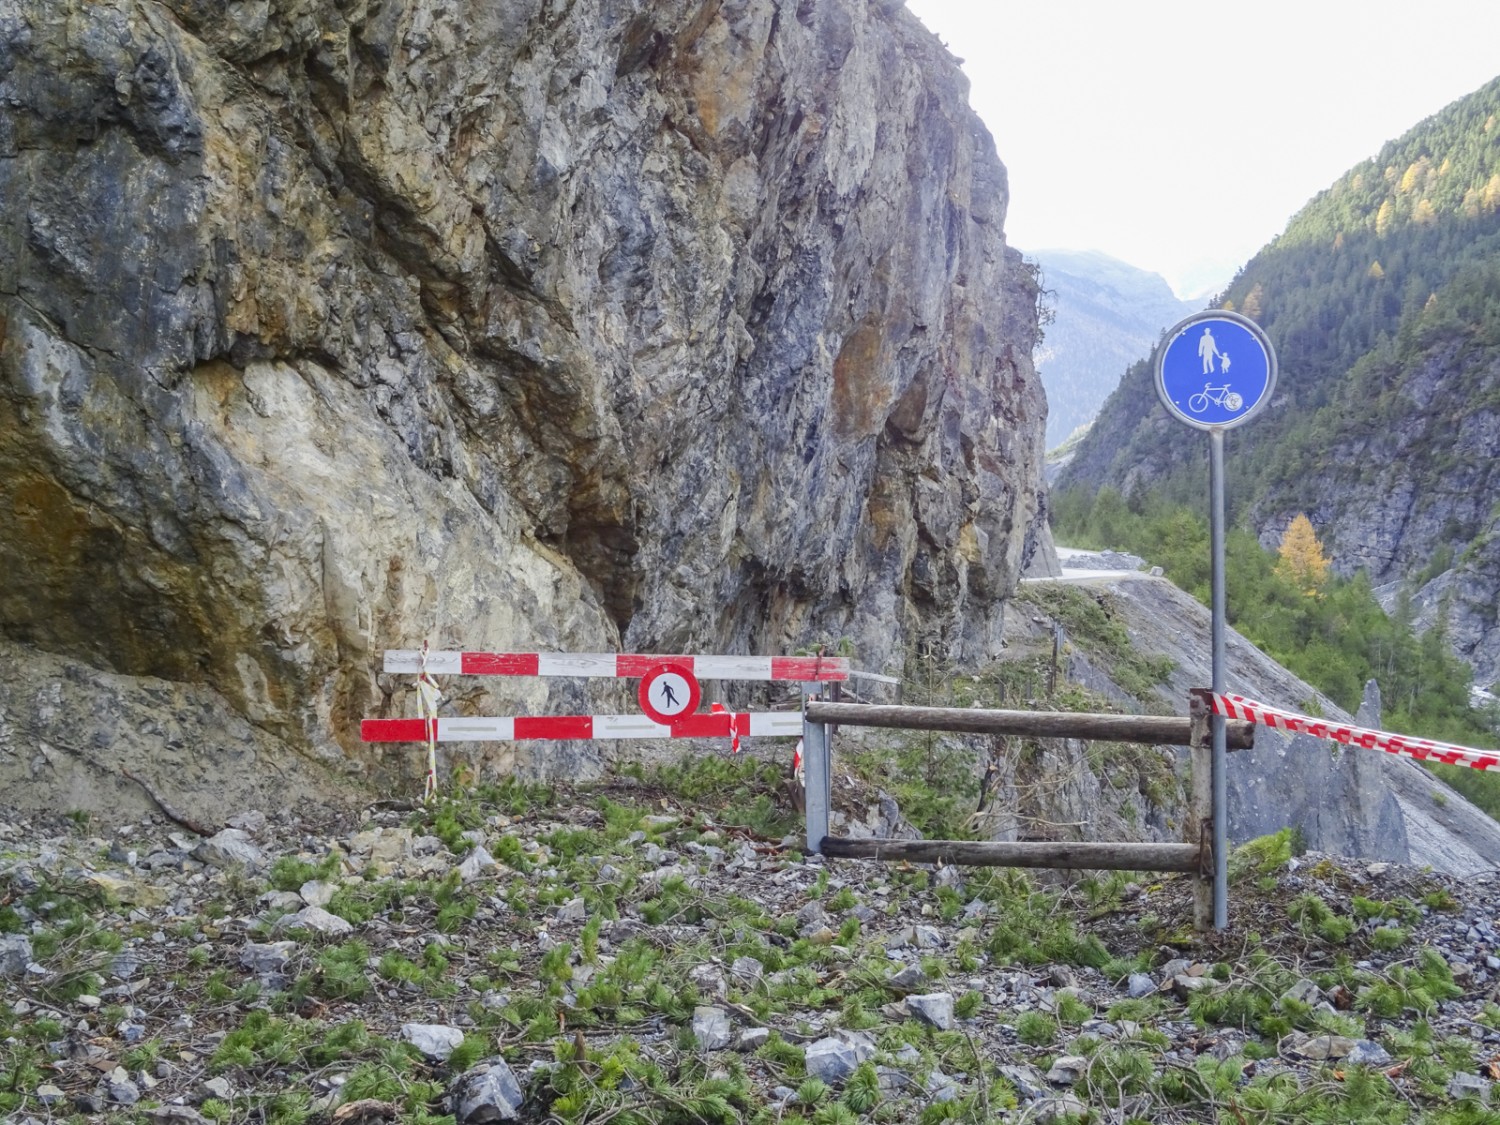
x=669, y=691
x=1215, y=370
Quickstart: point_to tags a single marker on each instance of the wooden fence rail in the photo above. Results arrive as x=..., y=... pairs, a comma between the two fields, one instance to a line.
x=1194, y=855
x=1026, y=853
x=1159, y=730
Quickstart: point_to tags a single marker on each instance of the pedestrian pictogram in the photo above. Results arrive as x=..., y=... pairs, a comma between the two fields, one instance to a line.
x=1193, y=368
x=669, y=692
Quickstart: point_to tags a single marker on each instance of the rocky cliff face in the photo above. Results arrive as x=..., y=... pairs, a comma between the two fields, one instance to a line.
x=327, y=327
x=1411, y=498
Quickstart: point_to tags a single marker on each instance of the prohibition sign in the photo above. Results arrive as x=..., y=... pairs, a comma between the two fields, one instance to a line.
x=668, y=692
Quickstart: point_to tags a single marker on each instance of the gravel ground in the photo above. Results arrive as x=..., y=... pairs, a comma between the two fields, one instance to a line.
x=619, y=956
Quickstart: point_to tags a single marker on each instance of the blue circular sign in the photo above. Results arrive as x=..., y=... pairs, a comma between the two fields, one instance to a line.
x=1215, y=370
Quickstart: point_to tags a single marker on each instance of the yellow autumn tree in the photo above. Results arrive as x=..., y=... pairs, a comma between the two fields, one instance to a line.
x=1254, y=304
x=1385, y=217
x=1302, y=562
x=1490, y=200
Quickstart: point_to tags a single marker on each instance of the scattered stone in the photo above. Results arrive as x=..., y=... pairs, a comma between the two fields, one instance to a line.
x=230, y=848
x=1064, y=1107
x=315, y=919
x=908, y=979
x=476, y=863
x=862, y=1042
x=316, y=892
x=123, y=966
x=122, y=1091
x=252, y=821
x=380, y=849
x=810, y=917
x=1139, y=985
x=1062, y=976
x=130, y=892
x=709, y=980
x=15, y=955
x=748, y=971
x=1368, y=1053
x=1184, y=986
x=942, y=1087
x=1465, y=1085
x=1304, y=992
x=1067, y=1070
x=711, y=1028
x=752, y=1039
x=216, y=1088
x=164, y=861
x=435, y=1040
x=926, y=937
x=573, y=910
x=49, y=1094
x=268, y=958
x=832, y=1060
x=1318, y=1047
x=282, y=902
x=935, y=1008
x=489, y=1092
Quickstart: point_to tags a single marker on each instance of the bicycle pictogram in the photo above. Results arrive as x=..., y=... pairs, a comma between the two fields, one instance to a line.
x=1219, y=396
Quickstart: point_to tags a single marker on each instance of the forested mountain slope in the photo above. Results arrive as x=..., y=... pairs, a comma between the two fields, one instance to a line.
x=1105, y=315
x=1383, y=300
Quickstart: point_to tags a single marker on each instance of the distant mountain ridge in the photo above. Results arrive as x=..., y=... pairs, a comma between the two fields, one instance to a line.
x=1106, y=315
x=1383, y=301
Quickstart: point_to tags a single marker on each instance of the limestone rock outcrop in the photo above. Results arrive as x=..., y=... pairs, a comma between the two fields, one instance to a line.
x=328, y=326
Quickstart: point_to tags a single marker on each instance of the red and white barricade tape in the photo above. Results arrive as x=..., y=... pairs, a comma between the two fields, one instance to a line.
x=804, y=668
x=716, y=724
x=1238, y=707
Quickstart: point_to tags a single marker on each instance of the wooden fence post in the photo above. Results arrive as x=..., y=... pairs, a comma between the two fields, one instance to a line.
x=1200, y=819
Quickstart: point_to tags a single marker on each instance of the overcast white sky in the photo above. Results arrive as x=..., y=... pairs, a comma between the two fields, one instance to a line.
x=1180, y=135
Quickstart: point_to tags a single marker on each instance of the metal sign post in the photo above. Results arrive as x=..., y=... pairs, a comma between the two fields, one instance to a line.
x=817, y=773
x=1216, y=370
x=1220, y=767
